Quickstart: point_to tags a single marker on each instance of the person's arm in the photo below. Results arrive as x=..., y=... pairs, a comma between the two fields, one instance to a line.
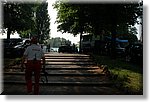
x=23, y=59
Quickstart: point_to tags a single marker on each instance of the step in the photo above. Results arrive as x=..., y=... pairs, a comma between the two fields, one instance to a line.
x=72, y=66
x=65, y=83
x=58, y=74
x=61, y=66
x=58, y=68
x=20, y=89
x=68, y=60
x=65, y=68
x=69, y=63
x=66, y=55
x=65, y=71
x=60, y=78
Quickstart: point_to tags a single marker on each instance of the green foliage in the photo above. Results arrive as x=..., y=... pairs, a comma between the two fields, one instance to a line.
x=18, y=17
x=128, y=33
x=27, y=19
x=42, y=28
x=73, y=18
x=132, y=38
x=133, y=30
x=25, y=34
x=70, y=18
x=94, y=18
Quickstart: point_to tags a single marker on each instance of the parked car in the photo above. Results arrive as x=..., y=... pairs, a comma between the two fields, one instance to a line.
x=68, y=49
x=120, y=50
x=64, y=48
x=134, y=53
x=21, y=46
x=8, y=46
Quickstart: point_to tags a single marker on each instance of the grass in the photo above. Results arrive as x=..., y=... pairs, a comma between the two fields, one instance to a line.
x=11, y=61
x=130, y=76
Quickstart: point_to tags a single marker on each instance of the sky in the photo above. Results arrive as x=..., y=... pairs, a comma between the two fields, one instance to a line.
x=53, y=14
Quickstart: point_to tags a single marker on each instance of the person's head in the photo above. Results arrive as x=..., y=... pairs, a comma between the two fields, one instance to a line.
x=34, y=40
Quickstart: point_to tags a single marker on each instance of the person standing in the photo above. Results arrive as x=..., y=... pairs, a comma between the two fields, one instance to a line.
x=33, y=54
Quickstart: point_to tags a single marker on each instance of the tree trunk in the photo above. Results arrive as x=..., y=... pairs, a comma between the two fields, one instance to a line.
x=80, y=48
x=8, y=33
x=113, y=31
x=141, y=38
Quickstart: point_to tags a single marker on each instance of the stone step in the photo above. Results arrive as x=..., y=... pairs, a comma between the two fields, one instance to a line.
x=61, y=67
x=65, y=55
x=106, y=84
x=65, y=71
x=59, y=74
x=69, y=63
x=20, y=89
x=58, y=68
x=68, y=60
x=72, y=66
x=61, y=78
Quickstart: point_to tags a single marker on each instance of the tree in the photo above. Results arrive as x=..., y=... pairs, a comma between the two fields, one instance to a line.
x=27, y=19
x=42, y=22
x=18, y=17
x=76, y=18
x=71, y=19
x=112, y=16
x=132, y=34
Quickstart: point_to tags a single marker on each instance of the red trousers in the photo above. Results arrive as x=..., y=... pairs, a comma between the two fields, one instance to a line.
x=30, y=68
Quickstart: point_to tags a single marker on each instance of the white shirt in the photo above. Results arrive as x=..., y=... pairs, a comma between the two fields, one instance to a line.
x=34, y=51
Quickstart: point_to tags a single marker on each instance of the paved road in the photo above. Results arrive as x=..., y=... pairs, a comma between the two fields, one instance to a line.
x=68, y=74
